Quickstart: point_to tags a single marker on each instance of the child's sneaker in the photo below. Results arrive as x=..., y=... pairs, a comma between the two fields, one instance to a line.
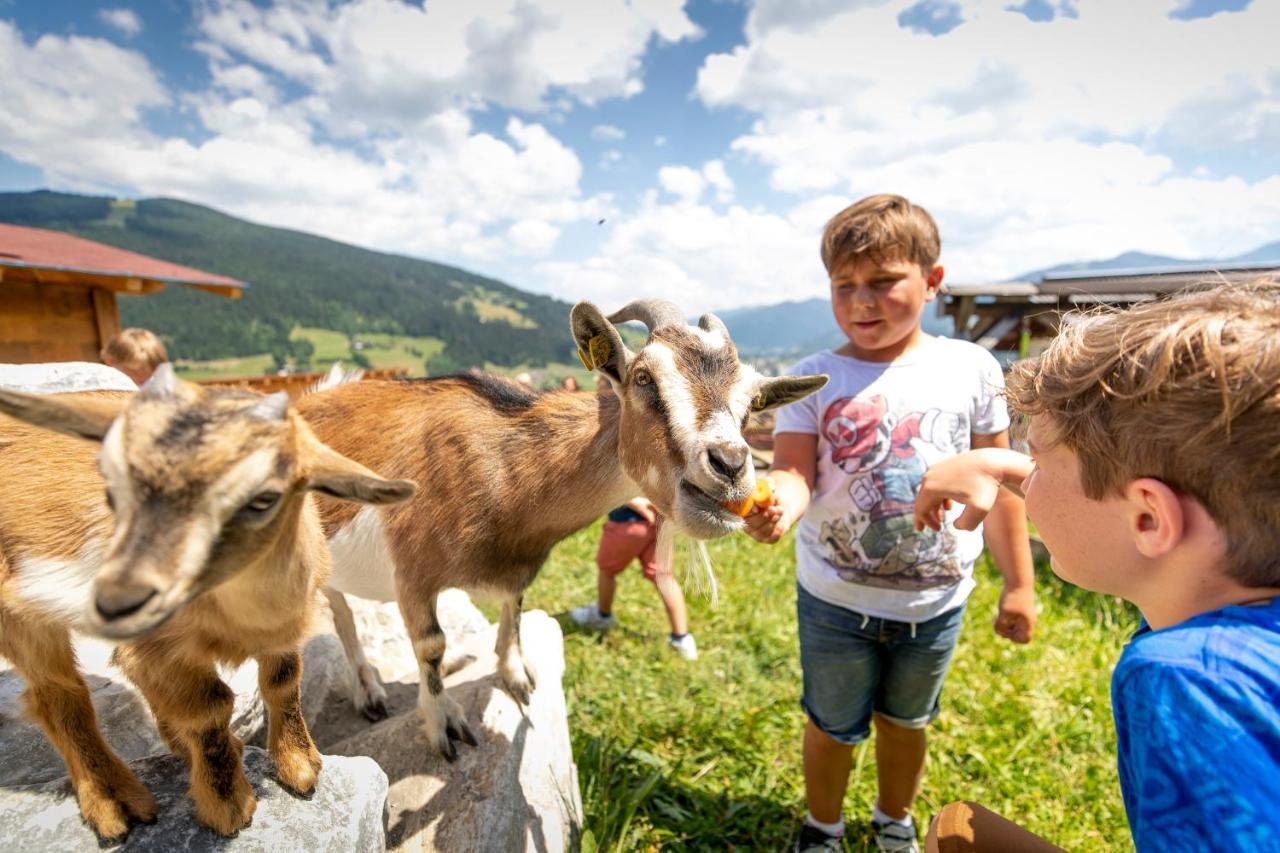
x=588, y=616
x=814, y=840
x=896, y=838
x=686, y=646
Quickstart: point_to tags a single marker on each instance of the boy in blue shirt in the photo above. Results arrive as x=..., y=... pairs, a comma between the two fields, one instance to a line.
x=1155, y=476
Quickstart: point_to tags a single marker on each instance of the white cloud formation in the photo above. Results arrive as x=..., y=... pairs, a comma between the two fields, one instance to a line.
x=381, y=66
x=608, y=133
x=689, y=184
x=124, y=20
x=1033, y=143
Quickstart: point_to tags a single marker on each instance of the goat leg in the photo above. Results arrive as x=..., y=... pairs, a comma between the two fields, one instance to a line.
x=195, y=706
x=58, y=699
x=443, y=720
x=288, y=741
x=513, y=670
x=367, y=692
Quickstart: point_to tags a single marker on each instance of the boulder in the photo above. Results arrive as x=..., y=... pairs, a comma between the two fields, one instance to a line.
x=344, y=814
x=64, y=377
x=516, y=790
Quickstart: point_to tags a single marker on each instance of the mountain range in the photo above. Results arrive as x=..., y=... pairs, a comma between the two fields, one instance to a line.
x=303, y=281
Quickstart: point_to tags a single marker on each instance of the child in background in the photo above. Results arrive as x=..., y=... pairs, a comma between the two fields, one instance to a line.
x=880, y=606
x=631, y=533
x=1155, y=476
x=136, y=353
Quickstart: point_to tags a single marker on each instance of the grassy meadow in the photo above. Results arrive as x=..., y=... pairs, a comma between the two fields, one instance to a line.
x=706, y=755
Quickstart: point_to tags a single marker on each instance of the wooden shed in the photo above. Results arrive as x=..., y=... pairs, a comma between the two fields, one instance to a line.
x=999, y=315
x=58, y=292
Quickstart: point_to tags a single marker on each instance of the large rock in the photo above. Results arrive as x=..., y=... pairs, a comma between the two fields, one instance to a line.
x=63, y=377
x=516, y=790
x=344, y=814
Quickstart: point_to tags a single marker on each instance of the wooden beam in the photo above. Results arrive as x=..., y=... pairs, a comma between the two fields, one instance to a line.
x=106, y=313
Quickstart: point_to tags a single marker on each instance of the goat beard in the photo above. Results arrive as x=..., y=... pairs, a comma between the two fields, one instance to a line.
x=698, y=570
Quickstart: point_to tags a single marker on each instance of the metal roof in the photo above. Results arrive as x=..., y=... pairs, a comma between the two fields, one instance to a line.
x=54, y=257
x=1103, y=285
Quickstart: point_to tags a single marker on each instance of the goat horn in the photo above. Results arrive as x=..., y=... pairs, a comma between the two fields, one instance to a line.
x=654, y=313
x=712, y=323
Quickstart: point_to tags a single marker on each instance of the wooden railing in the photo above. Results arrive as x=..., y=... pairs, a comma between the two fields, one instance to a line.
x=293, y=383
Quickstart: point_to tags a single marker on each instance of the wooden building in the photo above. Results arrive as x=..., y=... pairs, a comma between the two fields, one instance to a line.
x=58, y=292
x=1007, y=315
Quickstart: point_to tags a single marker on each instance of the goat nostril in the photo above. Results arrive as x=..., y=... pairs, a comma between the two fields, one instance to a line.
x=122, y=600
x=728, y=462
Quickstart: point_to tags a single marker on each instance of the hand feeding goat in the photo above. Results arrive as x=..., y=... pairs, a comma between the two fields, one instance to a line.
x=509, y=473
x=208, y=549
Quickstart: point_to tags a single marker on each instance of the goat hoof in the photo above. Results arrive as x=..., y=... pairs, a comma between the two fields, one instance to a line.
x=461, y=731
x=375, y=711
x=449, y=751
x=520, y=691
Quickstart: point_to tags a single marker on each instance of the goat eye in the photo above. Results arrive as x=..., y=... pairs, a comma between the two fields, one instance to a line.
x=643, y=377
x=263, y=501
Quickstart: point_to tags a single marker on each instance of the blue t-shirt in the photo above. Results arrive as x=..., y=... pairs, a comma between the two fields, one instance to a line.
x=1198, y=731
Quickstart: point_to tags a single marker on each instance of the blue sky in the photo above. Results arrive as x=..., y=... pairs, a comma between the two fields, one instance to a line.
x=712, y=137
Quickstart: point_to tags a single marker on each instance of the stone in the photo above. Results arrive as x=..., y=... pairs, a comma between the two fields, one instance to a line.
x=344, y=814
x=516, y=790
x=63, y=377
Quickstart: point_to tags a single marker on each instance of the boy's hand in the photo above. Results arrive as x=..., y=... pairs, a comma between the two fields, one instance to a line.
x=972, y=478
x=1016, y=620
x=768, y=524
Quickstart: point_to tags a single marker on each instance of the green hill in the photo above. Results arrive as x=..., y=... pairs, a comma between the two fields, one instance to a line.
x=397, y=308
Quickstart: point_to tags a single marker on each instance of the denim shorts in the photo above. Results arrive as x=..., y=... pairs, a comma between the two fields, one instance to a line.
x=855, y=664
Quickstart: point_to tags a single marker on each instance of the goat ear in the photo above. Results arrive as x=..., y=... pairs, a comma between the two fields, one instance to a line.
x=772, y=393
x=599, y=345
x=70, y=414
x=337, y=476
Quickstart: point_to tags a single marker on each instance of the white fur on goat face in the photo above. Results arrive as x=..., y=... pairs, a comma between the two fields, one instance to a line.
x=686, y=399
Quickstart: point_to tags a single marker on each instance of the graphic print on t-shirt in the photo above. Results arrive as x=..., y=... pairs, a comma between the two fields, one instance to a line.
x=877, y=543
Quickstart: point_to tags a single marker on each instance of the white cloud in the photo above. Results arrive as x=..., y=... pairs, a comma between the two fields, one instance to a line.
x=383, y=66
x=608, y=133
x=124, y=20
x=75, y=108
x=1033, y=143
x=689, y=184
x=659, y=141
x=533, y=236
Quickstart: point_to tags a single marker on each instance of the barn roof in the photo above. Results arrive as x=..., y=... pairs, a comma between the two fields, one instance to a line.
x=54, y=257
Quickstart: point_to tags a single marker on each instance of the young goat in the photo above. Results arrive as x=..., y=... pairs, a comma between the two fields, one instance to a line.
x=511, y=473
x=214, y=554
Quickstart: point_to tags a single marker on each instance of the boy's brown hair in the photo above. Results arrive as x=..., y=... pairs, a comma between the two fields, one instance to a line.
x=1185, y=390
x=136, y=349
x=885, y=227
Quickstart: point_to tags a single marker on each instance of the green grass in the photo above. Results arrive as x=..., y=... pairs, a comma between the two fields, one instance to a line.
x=673, y=755
x=391, y=351
x=250, y=365
x=330, y=346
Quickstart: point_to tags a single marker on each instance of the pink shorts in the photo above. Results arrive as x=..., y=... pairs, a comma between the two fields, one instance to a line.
x=624, y=541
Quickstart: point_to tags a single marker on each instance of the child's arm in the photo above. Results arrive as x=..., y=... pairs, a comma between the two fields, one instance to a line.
x=795, y=463
x=1005, y=531
x=973, y=479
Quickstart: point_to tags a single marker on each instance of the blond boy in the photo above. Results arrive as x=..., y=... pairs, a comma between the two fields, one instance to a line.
x=136, y=353
x=1155, y=476
x=880, y=606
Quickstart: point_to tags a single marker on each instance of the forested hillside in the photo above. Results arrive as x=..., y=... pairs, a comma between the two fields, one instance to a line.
x=299, y=280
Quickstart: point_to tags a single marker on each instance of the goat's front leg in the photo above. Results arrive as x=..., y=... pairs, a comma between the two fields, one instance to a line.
x=57, y=698
x=367, y=692
x=442, y=718
x=514, y=671
x=194, y=707
x=296, y=757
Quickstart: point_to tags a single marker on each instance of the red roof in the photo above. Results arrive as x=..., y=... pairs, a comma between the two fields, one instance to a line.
x=56, y=257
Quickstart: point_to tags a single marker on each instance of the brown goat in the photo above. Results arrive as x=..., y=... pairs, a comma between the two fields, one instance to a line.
x=508, y=473
x=207, y=549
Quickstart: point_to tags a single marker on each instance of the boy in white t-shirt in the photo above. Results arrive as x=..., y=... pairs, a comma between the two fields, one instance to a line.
x=880, y=605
